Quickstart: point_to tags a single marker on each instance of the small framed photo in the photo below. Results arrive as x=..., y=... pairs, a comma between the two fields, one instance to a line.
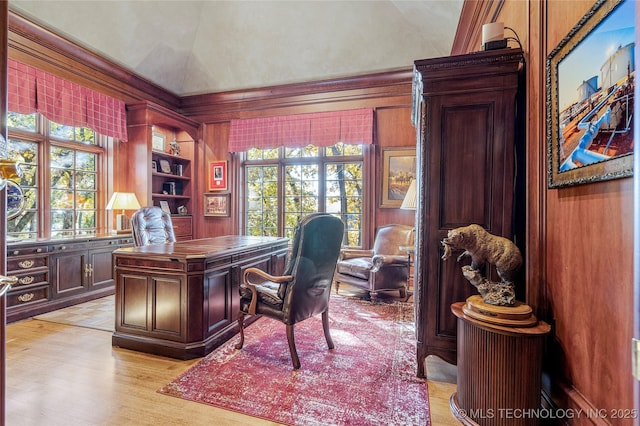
x=154, y=166
x=164, y=205
x=216, y=204
x=165, y=167
x=218, y=176
x=157, y=142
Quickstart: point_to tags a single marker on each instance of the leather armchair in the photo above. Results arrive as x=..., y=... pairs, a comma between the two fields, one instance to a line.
x=303, y=290
x=382, y=268
x=152, y=225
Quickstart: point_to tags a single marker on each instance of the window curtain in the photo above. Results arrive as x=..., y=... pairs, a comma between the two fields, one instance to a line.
x=31, y=90
x=299, y=130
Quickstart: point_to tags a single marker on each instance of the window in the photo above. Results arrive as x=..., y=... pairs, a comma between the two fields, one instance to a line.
x=285, y=183
x=60, y=177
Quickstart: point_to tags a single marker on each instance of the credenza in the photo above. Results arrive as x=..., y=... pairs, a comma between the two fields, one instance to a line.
x=181, y=300
x=54, y=274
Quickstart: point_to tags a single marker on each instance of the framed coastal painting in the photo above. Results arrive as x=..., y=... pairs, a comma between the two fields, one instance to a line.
x=398, y=170
x=590, y=79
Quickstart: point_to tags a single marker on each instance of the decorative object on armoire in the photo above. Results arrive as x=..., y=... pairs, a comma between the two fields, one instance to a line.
x=465, y=171
x=484, y=247
x=123, y=201
x=589, y=97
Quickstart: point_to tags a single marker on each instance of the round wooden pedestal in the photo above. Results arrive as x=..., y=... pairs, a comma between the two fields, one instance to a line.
x=499, y=364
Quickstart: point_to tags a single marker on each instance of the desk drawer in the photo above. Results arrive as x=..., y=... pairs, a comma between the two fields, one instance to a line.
x=15, y=265
x=27, y=296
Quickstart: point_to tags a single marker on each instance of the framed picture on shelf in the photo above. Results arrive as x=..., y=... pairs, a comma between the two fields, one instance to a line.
x=154, y=166
x=590, y=86
x=157, y=142
x=216, y=204
x=398, y=170
x=218, y=176
x=164, y=205
x=165, y=167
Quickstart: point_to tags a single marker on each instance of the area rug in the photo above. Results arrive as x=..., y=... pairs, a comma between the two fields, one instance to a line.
x=368, y=379
x=98, y=314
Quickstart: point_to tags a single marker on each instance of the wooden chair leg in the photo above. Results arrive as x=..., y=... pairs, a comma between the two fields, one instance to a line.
x=241, y=324
x=325, y=327
x=292, y=347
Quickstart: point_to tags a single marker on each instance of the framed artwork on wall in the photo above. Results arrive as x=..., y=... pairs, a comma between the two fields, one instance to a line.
x=218, y=176
x=398, y=170
x=590, y=84
x=216, y=204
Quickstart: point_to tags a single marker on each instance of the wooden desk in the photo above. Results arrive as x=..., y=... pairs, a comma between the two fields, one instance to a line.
x=181, y=300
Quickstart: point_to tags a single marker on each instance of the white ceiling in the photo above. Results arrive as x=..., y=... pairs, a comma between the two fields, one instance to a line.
x=194, y=47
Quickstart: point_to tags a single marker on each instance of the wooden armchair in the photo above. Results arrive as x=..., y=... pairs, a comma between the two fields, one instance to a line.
x=304, y=288
x=382, y=268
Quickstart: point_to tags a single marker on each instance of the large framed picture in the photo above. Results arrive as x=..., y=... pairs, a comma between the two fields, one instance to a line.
x=590, y=84
x=218, y=176
x=398, y=170
x=216, y=204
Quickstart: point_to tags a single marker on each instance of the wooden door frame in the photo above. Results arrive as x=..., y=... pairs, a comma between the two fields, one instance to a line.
x=4, y=20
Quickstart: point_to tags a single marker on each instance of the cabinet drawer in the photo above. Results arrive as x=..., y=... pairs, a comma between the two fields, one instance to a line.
x=24, y=263
x=32, y=277
x=27, y=296
x=181, y=225
x=24, y=251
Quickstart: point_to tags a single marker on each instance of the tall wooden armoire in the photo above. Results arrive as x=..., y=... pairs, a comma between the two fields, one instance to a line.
x=465, y=117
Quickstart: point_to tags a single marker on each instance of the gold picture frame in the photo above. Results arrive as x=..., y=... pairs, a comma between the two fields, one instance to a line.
x=217, y=204
x=398, y=170
x=589, y=100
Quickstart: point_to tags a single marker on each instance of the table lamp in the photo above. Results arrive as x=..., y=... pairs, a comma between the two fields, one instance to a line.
x=410, y=198
x=123, y=201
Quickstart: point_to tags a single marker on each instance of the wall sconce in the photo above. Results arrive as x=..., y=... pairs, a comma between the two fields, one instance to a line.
x=123, y=201
x=410, y=198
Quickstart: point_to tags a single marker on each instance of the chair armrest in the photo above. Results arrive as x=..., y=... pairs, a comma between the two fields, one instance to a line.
x=380, y=260
x=351, y=253
x=252, y=286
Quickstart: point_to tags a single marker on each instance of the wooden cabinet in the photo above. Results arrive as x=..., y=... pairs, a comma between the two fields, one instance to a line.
x=171, y=180
x=52, y=275
x=465, y=113
x=182, y=227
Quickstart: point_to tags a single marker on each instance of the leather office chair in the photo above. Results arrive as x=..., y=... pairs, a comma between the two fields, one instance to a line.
x=152, y=225
x=304, y=288
x=384, y=267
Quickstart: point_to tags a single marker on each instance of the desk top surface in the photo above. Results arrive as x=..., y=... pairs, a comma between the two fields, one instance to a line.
x=203, y=247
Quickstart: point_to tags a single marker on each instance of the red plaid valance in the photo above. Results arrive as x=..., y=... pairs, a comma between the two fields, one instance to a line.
x=31, y=90
x=299, y=130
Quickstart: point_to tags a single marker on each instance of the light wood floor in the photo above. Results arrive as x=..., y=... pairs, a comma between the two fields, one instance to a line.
x=67, y=375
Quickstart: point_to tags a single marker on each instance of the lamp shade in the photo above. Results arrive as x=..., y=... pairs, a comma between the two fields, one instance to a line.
x=123, y=201
x=409, y=202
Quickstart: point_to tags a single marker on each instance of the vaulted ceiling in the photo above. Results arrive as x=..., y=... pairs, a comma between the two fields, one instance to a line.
x=194, y=47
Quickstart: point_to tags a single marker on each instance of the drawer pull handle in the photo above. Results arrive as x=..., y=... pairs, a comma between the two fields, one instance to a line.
x=26, y=280
x=39, y=250
x=26, y=264
x=16, y=252
x=26, y=297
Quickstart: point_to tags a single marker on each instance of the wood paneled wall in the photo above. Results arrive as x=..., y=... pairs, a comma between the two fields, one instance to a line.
x=579, y=239
x=388, y=93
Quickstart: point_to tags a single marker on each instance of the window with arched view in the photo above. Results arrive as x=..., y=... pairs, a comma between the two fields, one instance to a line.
x=283, y=184
x=60, y=177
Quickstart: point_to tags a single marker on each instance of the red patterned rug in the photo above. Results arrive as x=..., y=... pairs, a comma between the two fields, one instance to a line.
x=368, y=379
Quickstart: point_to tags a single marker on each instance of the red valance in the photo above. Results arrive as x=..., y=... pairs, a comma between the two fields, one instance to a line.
x=31, y=90
x=299, y=130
